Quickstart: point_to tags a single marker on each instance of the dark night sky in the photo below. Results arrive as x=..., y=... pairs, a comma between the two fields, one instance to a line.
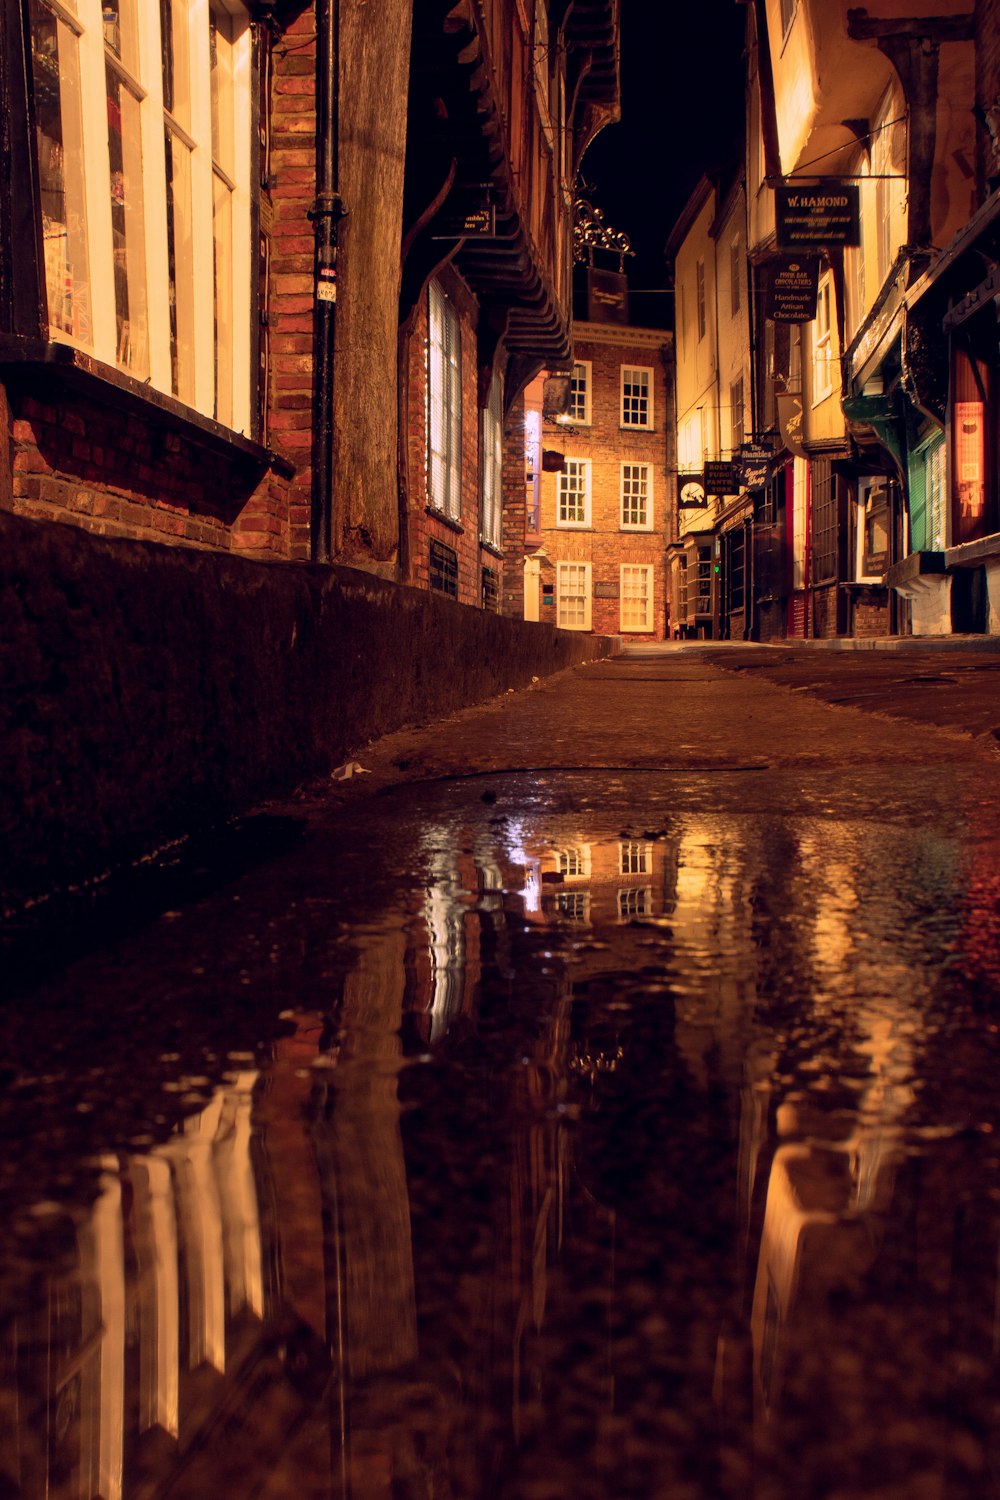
x=682, y=114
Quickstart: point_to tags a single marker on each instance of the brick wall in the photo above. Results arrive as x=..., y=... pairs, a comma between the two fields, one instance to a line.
x=292, y=190
x=607, y=445
x=423, y=524
x=77, y=460
x=871, y=614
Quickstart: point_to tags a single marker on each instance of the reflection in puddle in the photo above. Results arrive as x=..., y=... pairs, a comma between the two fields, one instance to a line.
x=619, y=1161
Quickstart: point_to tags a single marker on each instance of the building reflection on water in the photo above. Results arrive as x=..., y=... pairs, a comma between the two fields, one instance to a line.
x=565, y=1064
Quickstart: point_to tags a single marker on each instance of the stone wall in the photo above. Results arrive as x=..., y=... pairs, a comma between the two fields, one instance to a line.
x=149, y=690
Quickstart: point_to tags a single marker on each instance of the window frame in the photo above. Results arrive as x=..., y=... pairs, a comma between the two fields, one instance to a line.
x=576, y=387
x=701, y=296
x=587, y=597
x=737, y=401
x=444, y=405
x=142, y=347
x=649, y=598
x=646, y=524
x=581, y=467
x=822, y=341
x=631, y=370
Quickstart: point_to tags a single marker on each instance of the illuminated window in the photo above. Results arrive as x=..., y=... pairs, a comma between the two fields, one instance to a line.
x=444, y=405
x=574, y=493
x=146, y=222
x=636, y=497
x=573, y=595
x=636, y=597
x=492, y=464
x=736, y=414
x=579, y=394
x=823, y=361
x=637, y=396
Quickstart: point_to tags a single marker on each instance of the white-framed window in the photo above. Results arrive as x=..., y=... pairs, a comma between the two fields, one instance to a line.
x=572, y=906
x=573, y=595
x=574, y=493
x=823, y=360
x=635, y=901
x=573, y=862
x=579, y=393
x=873, y=531
x=143, y=133
x=636, y=497
x=701, y=300
x=736, y=414
x=637, y=396
x=636, y=596
x=492, y=464
x=444, y=404
x=635, y=858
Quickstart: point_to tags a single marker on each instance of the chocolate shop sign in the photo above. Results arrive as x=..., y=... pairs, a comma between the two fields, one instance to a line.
x=825, y=214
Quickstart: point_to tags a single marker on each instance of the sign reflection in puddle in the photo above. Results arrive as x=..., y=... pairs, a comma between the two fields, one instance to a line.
x=623, y=1163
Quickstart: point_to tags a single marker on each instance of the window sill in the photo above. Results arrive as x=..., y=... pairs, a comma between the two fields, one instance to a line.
x=574, y=526
x=27, y=359
x=631, y=427
x=446, y=520
x=637, y=530
x=491, y=548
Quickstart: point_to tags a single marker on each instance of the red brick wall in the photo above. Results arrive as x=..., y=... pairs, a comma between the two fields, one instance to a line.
x=604, y=544
x=290, y=318
x=871, y=614
x=78, y=461
x=824, y=622
x=423, y=524
x=514, y=503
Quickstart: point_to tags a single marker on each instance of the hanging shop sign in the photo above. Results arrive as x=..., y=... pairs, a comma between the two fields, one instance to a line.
x=607, y=296
x=827, y=213
x=468, y=214
x=721, y=478
x=790, y=422
x=691, y=492
x=753, y=461
x=792, y=284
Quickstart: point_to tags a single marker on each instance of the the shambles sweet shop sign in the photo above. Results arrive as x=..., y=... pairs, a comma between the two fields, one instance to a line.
x=826, y=213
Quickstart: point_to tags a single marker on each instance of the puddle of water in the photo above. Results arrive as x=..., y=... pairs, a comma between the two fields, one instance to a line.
x=526, y=1150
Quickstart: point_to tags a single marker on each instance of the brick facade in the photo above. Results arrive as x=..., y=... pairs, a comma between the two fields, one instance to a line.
x=605, y=544
x=422, y=522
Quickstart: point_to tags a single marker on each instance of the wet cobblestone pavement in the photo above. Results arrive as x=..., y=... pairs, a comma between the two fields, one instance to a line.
x=597, y=1098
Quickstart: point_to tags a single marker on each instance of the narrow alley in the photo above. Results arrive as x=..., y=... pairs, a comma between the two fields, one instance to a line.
x=591, y=1093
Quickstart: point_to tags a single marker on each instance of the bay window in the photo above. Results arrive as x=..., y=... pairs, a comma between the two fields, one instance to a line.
x=143, y=135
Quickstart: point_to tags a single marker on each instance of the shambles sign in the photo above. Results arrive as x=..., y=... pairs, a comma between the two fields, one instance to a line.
x=828, y=213
x=791, y=289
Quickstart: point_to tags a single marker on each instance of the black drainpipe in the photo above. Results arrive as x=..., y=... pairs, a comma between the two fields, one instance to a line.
x=326, y=213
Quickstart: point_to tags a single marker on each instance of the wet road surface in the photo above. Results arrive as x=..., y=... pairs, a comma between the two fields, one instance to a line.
x=599, y=1098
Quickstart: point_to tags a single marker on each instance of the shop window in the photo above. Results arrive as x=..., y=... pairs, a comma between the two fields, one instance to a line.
x=824, y=521
x=704, y=580
x=637, y=396
x=574, y=493
x=492, y=464
x=636, y=597
x=573, y=595
x=874, y=529
x=934, y=489
x=636, y=497
x=146, y=218
x=444, y=405
x=579, y=393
